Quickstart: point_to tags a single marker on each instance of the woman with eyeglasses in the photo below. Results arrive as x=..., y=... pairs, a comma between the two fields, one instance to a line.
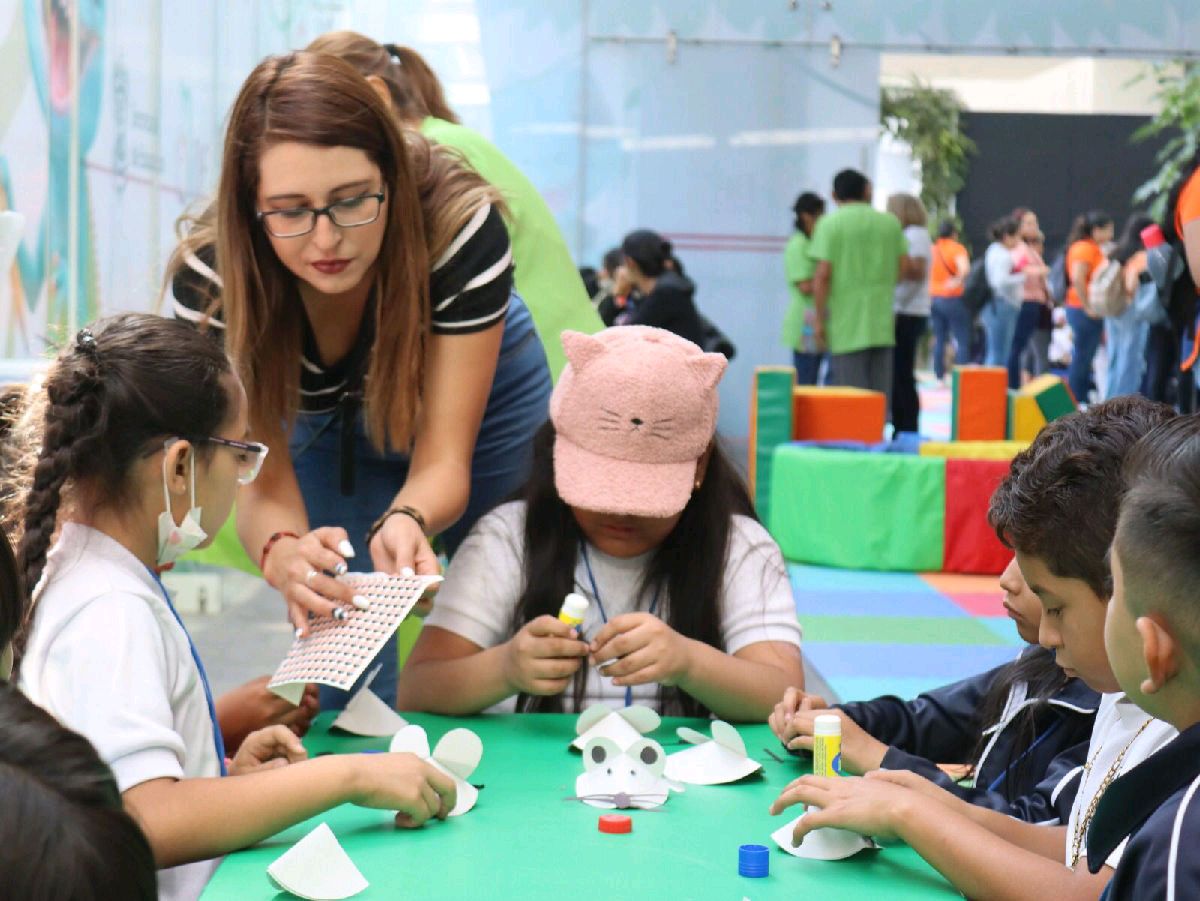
x=144, y=443
x=365, y=291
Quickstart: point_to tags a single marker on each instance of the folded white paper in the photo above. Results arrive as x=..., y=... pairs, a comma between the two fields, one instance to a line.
x=822, y=844
x=366, y=714
x=624, y=725
x=457, y=755
x=613, y=777
x=712, y=761
x=317, y=868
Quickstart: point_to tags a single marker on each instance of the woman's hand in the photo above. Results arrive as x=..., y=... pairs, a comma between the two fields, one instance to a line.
x=794, y=699
x=251, y=706
x=267, y=749
x=543, y=657
x=303, y=570
x=639, y=648
x=401, y=548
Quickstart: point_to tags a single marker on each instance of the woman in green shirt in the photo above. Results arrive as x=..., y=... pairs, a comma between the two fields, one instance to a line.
x=798, y=322
x=546, y=276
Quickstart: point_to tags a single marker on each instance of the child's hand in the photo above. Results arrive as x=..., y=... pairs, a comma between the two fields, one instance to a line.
x=251, y=706
x=866, y=806
x=405, y=783
x=861, y=752
x=267, y=749
x=543, y=657
x=919, y=785
x=639, y=648
x=794, y=699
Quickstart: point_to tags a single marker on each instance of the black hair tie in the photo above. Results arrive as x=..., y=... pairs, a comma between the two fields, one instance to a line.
x=85, y=343
x=394, y=53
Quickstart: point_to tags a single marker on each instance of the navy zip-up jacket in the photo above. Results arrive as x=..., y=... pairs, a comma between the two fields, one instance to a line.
x=941, y=726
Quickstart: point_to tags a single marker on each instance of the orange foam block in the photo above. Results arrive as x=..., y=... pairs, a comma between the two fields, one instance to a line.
x=979, y=410
x=838, y=414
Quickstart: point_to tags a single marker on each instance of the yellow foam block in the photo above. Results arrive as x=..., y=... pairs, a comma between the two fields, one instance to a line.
x=1025, y=416
x=973, y=450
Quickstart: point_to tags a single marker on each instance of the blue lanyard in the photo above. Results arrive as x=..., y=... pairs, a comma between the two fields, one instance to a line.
x=999, y=780
x=603, y=615
x=212, y=710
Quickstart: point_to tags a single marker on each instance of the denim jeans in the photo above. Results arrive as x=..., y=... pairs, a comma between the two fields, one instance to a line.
x=906, y=404
x=808, y=367
x=1126, y=338
x=1086, y=333
x=950, y=319
x=1028, y=318
x=516, y=408
x=999, y=319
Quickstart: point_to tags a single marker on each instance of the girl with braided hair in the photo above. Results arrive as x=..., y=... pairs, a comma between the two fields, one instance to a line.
x=144, y=444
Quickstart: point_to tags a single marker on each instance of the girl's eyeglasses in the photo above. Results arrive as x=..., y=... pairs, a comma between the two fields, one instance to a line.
x=250, y=454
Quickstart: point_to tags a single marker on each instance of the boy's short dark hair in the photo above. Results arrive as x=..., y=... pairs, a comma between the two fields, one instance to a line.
x=1061, y=498
x=850, y=184
x=1158, y=534
x=64, y=832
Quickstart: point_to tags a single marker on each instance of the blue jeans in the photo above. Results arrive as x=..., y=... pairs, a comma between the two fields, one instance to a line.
x=999, y=319
x=808, y=367
x=1086, y=333
x=1126, y=338
x=1028, y=318
x=950, y=319
x=517, y=406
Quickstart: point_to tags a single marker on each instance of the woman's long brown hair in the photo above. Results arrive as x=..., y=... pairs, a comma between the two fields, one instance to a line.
x=319, y=100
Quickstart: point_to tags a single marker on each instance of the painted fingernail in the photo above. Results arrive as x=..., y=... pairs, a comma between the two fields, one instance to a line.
x=345, y=548
x=340, y=569
x=360, y=602
x=299, y=632
x=407, y=571
x=339, y=613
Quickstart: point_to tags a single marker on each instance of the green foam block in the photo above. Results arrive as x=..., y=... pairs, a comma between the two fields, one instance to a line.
x=773, y=426
x=858, y=510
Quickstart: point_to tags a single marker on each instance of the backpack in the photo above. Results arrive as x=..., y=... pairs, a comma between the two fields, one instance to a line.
x=976, y=290
x=1106, y=293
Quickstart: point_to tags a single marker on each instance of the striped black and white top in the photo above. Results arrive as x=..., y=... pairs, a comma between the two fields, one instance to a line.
x=469, y=287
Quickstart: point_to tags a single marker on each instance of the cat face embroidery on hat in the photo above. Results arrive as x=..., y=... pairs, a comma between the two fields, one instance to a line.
x=634, y=410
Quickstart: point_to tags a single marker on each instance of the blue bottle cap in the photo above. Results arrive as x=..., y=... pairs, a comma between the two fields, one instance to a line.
x=754, y=861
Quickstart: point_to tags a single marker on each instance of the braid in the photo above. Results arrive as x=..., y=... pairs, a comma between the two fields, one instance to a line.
x=74, y=421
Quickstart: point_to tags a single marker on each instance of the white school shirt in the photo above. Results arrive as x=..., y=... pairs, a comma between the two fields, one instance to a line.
x=485, y=580
x=107, y=658
x=1118, y=720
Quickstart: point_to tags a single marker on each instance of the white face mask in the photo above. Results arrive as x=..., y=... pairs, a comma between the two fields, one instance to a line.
x=176, y=540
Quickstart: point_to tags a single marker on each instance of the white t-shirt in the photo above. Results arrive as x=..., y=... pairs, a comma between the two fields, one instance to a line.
x=485, y=580
x=912, y=297
x=107, y=658
x=1120, y=726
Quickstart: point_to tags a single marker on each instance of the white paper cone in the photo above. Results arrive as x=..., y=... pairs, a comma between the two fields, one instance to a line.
x=317, y=868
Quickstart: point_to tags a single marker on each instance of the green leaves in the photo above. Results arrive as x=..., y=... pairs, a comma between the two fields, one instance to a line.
x=1177, y=90
x=928, y=120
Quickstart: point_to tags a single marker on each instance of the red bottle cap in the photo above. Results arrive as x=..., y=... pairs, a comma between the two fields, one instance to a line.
x=1152, y=236
x=615, y=823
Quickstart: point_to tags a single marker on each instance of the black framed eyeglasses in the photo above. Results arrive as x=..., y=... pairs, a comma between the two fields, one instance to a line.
x=348, y=213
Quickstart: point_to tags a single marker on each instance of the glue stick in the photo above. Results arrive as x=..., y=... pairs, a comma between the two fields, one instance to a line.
x=827, y=745
x=574, y=606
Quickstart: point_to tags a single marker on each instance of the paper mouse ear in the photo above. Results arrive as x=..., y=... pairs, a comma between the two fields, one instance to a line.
x=649, y=754
x=590, y=717
x=727, y=736
x=641, y=718
x=691, y=736
x=459, y=751
x=411, y=739
x=599, y=752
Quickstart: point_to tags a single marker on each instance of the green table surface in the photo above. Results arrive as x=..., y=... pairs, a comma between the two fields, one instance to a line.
x=523, y=841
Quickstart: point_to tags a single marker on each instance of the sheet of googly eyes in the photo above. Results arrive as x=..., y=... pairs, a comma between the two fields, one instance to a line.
x=337, y=651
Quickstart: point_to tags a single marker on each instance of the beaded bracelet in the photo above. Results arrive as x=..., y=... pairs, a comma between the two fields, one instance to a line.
x=411, y=512
x=262, y=560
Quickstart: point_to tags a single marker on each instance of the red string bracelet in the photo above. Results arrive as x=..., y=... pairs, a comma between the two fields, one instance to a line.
x=262, y=560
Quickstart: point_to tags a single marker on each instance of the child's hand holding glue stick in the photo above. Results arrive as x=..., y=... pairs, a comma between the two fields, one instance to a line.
x=860, y=752
x=543, y=657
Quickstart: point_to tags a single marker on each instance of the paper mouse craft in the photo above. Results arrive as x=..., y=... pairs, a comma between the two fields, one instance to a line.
x=613, y=778
x=711, y=761
x=822, y=844
x=457, y=755
x=623, y=726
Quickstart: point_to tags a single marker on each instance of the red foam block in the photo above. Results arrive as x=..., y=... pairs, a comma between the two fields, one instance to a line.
x=970, y=544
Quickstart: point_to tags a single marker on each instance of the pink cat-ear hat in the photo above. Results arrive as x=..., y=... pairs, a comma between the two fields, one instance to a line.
x=634, y=410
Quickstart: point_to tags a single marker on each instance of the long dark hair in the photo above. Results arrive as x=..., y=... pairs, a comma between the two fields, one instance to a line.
x=1131, y=238
x=688, y=567
x=809, y=203
x=64, y=833
x=13, y=599
x=1086, y=224
x=649, y=250
x=123, y=384
x=1043, y=679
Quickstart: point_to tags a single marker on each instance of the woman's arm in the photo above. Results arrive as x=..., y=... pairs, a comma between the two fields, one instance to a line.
x=197, y=819
x=1191, y=246
x=912, y=269
x=1079, y=279
x=458, y=379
